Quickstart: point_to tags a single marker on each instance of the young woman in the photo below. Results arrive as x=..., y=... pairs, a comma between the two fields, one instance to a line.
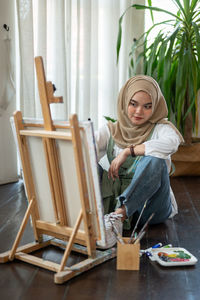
x=138, y=146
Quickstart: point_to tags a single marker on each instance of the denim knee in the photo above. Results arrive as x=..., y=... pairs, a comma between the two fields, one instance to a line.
x=150, y=179
x=153, y=164
x=156, y=161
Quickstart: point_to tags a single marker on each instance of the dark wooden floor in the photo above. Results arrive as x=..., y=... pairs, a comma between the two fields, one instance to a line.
x=23, y=281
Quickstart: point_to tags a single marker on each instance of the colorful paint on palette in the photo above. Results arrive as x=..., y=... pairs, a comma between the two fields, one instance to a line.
x=173, y=256
x=177, y=256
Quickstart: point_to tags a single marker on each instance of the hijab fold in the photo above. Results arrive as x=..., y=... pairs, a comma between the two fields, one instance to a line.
x=124, y=132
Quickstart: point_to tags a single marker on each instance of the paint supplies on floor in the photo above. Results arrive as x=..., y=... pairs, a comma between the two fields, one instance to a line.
x=128, y=249
x=169, y=256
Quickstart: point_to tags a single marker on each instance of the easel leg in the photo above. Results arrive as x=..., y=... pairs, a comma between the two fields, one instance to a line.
x=21, y=230
x=70, y=243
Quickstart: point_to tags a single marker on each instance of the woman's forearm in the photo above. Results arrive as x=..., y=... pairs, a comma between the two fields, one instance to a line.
x=139, y=149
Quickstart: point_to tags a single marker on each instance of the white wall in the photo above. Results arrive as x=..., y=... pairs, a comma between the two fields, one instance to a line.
x=8, y=157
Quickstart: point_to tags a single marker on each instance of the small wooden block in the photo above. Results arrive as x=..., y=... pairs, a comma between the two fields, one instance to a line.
x=128, y=256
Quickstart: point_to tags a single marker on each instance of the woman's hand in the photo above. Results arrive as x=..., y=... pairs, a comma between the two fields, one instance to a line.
x=117, y=162
x=120, y=159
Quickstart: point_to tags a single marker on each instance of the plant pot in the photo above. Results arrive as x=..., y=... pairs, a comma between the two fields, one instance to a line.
x=187, y=160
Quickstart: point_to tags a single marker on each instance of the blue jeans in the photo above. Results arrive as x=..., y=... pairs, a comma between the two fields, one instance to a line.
x=150, y=181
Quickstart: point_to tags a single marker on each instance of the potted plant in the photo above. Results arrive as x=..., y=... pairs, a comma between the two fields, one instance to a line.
x=173, y=59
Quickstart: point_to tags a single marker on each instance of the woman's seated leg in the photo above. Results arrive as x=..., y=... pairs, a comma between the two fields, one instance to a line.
x=150, y=182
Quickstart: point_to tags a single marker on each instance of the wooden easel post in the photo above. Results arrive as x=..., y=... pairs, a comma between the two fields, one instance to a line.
x=76, y=139
x=47, y=97
x=21, y=230
x=27, y=173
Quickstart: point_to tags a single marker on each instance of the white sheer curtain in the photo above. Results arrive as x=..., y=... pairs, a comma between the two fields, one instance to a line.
x=77, y=40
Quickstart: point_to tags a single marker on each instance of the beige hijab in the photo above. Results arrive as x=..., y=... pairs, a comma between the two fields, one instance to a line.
x=123, y=131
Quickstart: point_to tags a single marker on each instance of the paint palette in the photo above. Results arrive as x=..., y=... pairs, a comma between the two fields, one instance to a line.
x=174, y=256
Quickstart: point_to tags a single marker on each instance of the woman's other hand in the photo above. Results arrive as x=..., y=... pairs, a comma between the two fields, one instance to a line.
x=120, y=159
x=117, y=162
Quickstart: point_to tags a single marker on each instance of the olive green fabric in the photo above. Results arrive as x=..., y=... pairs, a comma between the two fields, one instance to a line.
x=110, y=188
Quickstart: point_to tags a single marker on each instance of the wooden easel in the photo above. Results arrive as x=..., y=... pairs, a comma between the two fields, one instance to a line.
x=82, y=241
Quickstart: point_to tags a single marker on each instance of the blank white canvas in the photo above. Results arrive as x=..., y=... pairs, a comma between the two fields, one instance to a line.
x=69, y=178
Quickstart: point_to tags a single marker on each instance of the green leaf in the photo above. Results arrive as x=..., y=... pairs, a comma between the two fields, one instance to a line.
x=197, y=36
x=186, y=6
x=178, y=3
x=150, y=4
x=161, y=60
x=110, y=119
x=119, y=38
x=193, y=4
x=181, y=83
x=153, y=8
